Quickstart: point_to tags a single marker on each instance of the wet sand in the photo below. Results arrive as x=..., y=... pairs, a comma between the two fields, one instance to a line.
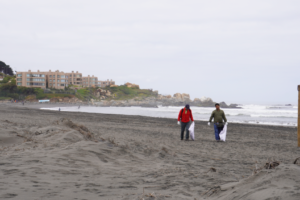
x=62, y=155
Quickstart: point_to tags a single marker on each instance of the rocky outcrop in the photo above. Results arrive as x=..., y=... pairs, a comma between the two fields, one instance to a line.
x=182, y=97
x=177, y=96
x=197, y=100
x=181, y=100
x=162, y=100
x=203, y=102
x=102, y=94
x=185, y=96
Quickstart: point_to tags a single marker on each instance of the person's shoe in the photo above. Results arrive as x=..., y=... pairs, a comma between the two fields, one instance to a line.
x=186, y=139
x=218, y=140
x=181, y=139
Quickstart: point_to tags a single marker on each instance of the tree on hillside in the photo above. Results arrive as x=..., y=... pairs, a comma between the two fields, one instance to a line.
x=6, y=69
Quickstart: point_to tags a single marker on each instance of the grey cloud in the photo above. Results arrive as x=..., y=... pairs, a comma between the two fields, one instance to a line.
x=237, y=51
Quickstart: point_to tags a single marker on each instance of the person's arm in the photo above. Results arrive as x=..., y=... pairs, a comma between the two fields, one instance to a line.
x=212, y=116
x=192, y=116
x=224, y=117
x=179, y=116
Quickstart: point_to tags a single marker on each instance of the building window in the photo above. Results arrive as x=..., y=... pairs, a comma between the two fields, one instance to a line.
x=58, y=76
x=36, y=84
x=36, y=79
x=50, y=76
x=19, y=75
x=35, y=75
x=19, y=83
x=19, y=79
x=62, y=84
x=53, y=76
x=62, y=76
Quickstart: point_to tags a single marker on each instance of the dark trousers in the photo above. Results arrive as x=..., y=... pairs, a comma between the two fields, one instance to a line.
x=185, y=126
x=218, y=131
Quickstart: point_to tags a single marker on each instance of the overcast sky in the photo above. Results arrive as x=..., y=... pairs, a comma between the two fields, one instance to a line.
x=238, y=51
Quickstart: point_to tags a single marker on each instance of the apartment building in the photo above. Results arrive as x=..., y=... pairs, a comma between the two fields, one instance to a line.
x=57, y=79
x=103, y=84
x=75, y=78
x=31, y=79
x=89, y=81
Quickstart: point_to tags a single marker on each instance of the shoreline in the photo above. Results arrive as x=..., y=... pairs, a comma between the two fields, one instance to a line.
x=40, y=106
x=104, y=106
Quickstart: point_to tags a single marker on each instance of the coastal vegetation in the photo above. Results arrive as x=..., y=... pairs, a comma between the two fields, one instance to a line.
x=9, y=90
x=6, y=69
x=121, y=92
x=124, y=93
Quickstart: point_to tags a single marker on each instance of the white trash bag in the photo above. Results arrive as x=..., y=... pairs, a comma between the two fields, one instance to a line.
x=192, y=131
x=223, y=133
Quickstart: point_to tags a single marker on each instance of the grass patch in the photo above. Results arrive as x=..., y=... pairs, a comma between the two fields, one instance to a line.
x=49, y=96
x=85, y=93
x=125, y=93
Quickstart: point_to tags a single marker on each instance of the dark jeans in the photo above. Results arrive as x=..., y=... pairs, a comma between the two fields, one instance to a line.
x=218, y=131
x=185, y=126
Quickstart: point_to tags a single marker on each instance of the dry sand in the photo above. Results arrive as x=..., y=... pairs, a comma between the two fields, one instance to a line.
x=62, y=155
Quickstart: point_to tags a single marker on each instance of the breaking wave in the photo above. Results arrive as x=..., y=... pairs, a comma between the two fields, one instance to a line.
x=253, y=114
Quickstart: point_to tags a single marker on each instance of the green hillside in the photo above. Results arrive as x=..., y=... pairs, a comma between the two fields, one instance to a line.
x=9, y=90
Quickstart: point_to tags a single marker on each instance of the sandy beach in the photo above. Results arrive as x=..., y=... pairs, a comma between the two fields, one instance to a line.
x=69, y=155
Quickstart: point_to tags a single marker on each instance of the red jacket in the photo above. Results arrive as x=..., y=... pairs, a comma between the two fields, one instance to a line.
x=185, y=117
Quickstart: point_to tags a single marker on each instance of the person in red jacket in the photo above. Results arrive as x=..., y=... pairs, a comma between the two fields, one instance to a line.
x=184, y=116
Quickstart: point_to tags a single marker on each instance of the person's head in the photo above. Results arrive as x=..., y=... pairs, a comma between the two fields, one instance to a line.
x=187, y=106
x=217, y=106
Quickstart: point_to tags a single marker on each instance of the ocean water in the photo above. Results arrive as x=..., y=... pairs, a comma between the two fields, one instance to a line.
x=253, y=114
